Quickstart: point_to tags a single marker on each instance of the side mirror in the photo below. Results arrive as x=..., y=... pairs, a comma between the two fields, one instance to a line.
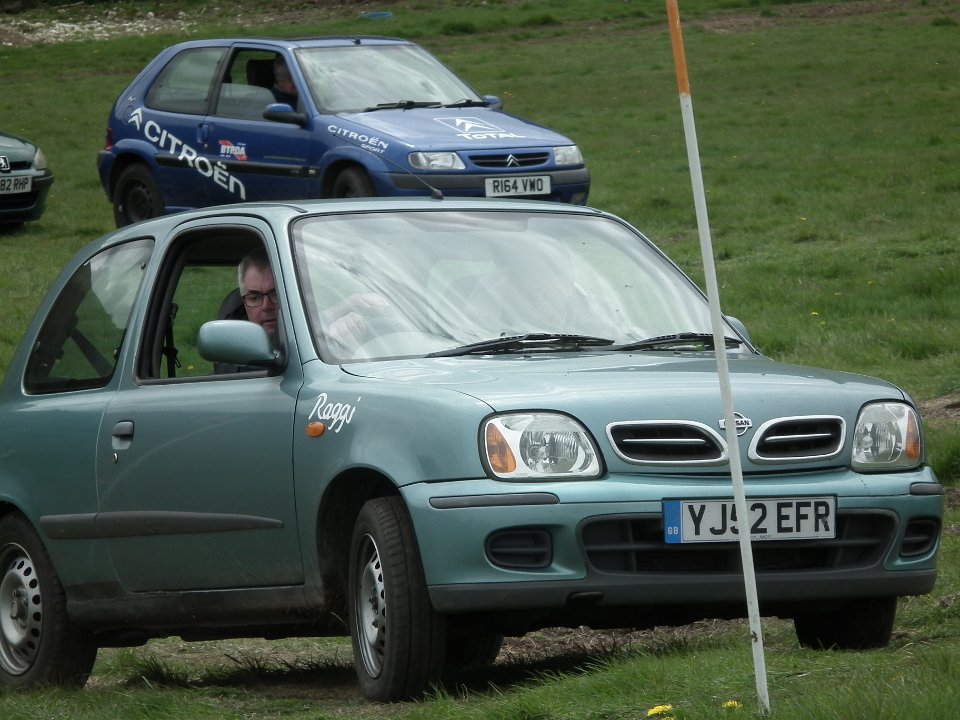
x=493, y=102
x=283, y=113
x=740, y=328
x=237, y=342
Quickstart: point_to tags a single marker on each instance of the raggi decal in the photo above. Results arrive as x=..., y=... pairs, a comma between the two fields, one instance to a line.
x=336, y=414
x=176, y=147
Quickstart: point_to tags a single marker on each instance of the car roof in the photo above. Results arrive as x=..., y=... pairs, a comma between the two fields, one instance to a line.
x=282, y=212
x=294, y=43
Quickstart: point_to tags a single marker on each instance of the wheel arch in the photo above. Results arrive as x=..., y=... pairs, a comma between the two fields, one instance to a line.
x=334, y=169
x=121, y=163
x=336, y=516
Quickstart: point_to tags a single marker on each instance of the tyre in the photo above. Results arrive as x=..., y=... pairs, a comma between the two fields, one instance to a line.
x=860, y=624
x=353, y=182
x=38, y=643
x=398, y=640
x=136, y=196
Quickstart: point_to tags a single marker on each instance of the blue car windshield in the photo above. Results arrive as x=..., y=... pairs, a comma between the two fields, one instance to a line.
x=365, y=77
x=405, y=284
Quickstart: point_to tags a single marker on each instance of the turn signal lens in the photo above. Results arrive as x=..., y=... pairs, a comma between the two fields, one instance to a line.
x=499, y=455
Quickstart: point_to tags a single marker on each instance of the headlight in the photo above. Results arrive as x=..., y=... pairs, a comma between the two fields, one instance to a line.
x=537, y=446
x=436, y=161
x=887, y=437
x=568, y=155
x=39, y=161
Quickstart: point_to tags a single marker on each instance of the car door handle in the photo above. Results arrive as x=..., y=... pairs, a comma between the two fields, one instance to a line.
x=123, y=429
x=122, y=435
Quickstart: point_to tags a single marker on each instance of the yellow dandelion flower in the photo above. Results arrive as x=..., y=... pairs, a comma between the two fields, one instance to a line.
x=659, y=710
x=813, y=313
x=731, y=705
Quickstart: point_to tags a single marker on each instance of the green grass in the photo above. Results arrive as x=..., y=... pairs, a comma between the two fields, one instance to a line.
x=830, y=153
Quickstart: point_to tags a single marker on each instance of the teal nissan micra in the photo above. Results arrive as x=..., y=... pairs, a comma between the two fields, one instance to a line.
x=427, y=424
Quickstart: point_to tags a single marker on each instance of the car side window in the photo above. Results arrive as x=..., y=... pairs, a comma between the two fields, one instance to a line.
x=196, y=283
x=79, y=343
x=184, y=85
x=246, y=90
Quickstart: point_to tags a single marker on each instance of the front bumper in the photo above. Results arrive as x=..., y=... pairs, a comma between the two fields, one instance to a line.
x=490, y=546
x=21, y=207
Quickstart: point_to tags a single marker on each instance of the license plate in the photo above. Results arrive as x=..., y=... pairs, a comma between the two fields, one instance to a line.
x=16, y=184
x=697, y=521
x=527, y=185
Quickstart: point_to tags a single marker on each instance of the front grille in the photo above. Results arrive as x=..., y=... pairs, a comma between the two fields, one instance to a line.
x=667, y=442
x=798, y=438
x=512, y=160
x=635, y=545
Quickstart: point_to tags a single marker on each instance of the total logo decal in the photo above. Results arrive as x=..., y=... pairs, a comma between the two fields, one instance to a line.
x=175, y=146
x=471, y=128
x=235, y=152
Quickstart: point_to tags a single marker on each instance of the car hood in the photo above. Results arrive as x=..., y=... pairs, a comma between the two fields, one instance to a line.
x=16, y=148
x=604, y=388
x=450, y=128
x=650, y=385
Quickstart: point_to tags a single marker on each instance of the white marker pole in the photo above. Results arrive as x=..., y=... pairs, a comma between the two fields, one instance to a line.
x=723, y=370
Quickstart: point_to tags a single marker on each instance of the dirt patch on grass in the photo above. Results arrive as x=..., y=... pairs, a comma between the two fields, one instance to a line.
x=946, y=407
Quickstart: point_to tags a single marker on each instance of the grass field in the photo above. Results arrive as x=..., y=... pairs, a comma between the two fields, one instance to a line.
x=831, y=158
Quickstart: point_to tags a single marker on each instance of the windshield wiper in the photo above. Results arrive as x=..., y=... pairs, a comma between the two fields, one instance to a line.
x=520, y=343
x=403, y=105
x=465, y=103
x=679, y=341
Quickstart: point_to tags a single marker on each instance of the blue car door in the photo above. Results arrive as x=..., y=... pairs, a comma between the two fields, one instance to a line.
x=254, y=158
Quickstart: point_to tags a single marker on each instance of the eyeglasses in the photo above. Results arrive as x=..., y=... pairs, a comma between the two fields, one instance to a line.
x=255, y=298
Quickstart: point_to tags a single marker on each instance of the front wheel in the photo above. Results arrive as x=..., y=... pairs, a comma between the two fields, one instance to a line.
x=38, y=643
x=353, y=182
x=136, y=196
x=398, y=640
x=858, y=625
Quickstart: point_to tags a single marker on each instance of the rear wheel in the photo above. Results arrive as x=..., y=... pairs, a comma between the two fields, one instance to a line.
x=38, y=643
x=860, y=624
x=353, y=182
x=136, y=196
x=398, y=640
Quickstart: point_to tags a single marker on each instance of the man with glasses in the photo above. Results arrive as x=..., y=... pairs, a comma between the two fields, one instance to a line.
x=258, y=290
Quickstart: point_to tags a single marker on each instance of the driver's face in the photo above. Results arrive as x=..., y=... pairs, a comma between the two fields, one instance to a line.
x=261, y=281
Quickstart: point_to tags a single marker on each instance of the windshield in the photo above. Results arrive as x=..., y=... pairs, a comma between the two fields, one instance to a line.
x=363, y=77
x=402, y=284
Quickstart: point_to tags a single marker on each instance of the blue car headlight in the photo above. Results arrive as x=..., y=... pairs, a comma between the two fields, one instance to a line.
x=567, y=155
x=887, y=437
x=537, y=446
x=435, y=161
